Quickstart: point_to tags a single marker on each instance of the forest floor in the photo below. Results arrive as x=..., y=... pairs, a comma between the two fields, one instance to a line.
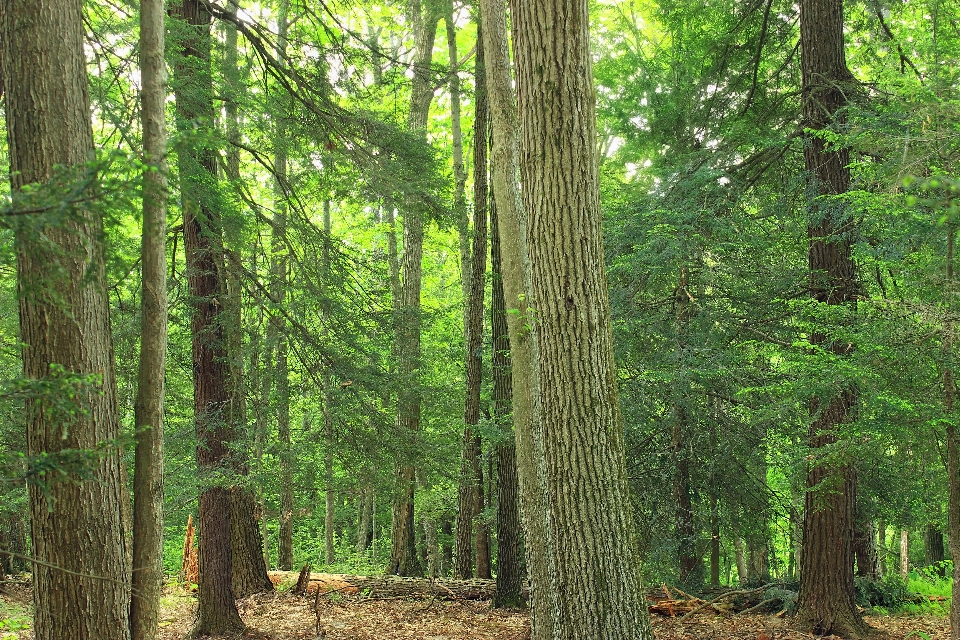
x=285, y=616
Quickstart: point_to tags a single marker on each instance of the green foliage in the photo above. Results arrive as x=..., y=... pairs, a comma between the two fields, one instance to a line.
x=13, y=618
x=889, y=592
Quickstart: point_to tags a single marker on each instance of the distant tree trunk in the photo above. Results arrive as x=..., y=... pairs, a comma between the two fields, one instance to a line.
x=743, y=573
x=865, y=545
x=470, y=494
x=953, y=439
x=904, y=554
x=758, y=568
x=432, y=546
x=147, y=566
x=933, y=547
x=596, y=584
x=279, y=277
x=365, y=531
x=825, y=603
x=510, y=575
x=330, y=492
x=481, y=532
x=77, y=530
x=249, y=564
x=403, y=557
x=882, y=550
x=714, y=541
x=216, y=611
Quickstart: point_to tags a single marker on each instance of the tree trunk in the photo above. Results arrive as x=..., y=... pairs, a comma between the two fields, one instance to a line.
x=403, y=558
x=515, y=276
x=148, y=413
x=826, y=600
x=882, y=550
x=216, y=612
x=865, y=546
x=470, y=492
x=933, y=548
x=481, y=532
x=510, y=575
x=743, y=574
x=596, y=584
x=249, y=566
x=330, y=493
x=953, y=443
x=714, y=542
x=65, y=326
x=904, y=554
x=365, y=531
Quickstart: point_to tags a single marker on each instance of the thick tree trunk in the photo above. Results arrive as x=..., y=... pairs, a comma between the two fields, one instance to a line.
x=250, y=569
x=596, y=584
x=403, y=558
x=216, y=612
x=77, y=531
x=147, y=567
x=826, y=600
x=510, y=575
x=515, y=276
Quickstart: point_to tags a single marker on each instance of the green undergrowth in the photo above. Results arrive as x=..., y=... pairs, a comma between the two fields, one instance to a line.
x=14, y=617
x=926, y=592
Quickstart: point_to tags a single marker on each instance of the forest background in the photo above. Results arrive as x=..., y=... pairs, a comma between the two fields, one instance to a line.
x=360, y=396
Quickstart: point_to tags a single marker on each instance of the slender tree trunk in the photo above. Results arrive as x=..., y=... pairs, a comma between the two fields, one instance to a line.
x=865, y=545
x=597, y=585
x=148, y=413
x=714, y=541
x=403, y=558
x=481, y=531
x=515, y=276
x=249, y=573
x=471, y=488
x=904, y=554
x=77, y=530
x=510, y=574
x=330, y=492
x=882, y=550
x=216, y=612
x=743, y=574
x=826, y=600
x=953, y=440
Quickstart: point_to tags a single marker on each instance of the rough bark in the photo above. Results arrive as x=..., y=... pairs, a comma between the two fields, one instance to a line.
x=470, y=490
x=933, y=547
x=64, y=322
x=510, y=573
x=403, y=558
x=515, y=272
x=596, y=584
x=202, y=231
x=481, y=530
x=249, y=566
x=147, y=576
x=825, y=603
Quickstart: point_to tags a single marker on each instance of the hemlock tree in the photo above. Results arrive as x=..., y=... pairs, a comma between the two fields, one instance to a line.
x=826, y=600
x=148, y=413
x=595, y=586
x=203, y=244
x=81, y=581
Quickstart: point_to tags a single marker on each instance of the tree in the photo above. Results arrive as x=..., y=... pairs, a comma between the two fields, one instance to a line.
x=826, y=600
x=403, y=557
x=596, y=586
x=203, y=244
x=147, y=567
x=68, y=361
